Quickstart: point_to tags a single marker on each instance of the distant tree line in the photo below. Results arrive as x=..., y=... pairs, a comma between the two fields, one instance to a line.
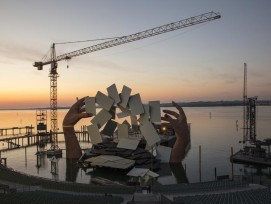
x=183, y=104
x=215, y=103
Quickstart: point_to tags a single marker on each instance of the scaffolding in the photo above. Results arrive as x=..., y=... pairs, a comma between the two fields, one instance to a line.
x=41, y=120
x=251, y=112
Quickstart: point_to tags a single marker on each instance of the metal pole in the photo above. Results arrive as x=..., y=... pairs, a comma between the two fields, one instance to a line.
x=200, y=163
x=231, y=164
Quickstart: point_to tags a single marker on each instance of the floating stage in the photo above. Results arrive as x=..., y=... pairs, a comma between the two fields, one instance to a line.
x=252, y=155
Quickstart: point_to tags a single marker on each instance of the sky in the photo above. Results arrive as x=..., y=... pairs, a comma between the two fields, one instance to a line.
x=203, y=62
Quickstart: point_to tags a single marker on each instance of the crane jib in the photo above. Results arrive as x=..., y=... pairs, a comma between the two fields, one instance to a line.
x=137, y=36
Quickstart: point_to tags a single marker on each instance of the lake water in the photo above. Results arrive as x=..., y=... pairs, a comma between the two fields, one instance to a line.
x=215, y=129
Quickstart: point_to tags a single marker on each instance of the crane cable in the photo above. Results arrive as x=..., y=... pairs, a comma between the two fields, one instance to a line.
x=44, y=58
x=81, y=41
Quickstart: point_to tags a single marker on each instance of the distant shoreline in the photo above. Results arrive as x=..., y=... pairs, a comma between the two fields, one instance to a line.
x=183, y=104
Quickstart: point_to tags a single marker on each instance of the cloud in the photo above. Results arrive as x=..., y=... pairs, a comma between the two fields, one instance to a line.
x=11, y=51
x=6, y=62
x=228, y=78
x=264, y=85
x=256, y=74
x=91, y=64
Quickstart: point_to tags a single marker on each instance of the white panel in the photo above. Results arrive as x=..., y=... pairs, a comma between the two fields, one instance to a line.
x=113, y=93
x=155, y=112
x=135, y=105
x=145, y=117
x=149, y=133
x=138, y=172
x=104, y=101
x=128, y=144
x=124, y=96
x=122, y=131
x=101, y=118
x=124, y=112
x=152, y=174
x=94, y=134
x=90, y=105
x=111, y=161
x=163, y=153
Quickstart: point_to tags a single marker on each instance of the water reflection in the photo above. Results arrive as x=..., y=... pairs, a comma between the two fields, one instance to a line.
x=168, y=173
x=216, y=135
x=72, y=170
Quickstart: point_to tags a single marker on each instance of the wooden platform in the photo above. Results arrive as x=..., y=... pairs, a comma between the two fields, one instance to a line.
x=243, y=157
x=16, y=130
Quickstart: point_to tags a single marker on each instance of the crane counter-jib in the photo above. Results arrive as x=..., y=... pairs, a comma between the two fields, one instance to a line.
x=134, y=37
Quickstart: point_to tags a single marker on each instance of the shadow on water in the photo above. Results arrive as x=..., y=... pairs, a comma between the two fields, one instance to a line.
x=72, y=170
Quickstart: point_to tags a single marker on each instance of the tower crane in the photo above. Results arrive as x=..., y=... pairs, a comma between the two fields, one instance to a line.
x=53, y=61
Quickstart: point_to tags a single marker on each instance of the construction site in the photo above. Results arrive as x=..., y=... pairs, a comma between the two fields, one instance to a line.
x=133, y=165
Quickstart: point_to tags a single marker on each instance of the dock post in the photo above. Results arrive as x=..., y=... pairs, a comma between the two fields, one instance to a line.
x=87, y=133
x=200, y=163
x=84, y=132
x=215, y=174
x=232, y=164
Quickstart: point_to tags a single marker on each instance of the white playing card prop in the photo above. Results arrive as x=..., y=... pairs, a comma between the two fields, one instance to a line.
x=141, y=115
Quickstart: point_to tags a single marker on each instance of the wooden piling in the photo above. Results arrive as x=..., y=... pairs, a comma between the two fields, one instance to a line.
x=232, y=164
x=200, y=163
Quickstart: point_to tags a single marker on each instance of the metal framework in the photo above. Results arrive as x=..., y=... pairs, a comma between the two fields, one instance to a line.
x=111, y=43
x=249, y=113
x=251, y=109
x=245, y=116
x=53, y=98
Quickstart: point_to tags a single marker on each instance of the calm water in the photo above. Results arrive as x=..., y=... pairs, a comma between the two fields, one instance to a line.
x=212, y=128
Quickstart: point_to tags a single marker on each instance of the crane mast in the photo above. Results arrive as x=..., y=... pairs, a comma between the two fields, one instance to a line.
x=111, y=43
x=249, y=113
x=245, y=116
x=53, y=99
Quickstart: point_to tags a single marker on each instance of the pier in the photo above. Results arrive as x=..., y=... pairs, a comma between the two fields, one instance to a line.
x=17, y=140
x=28, y=130
x=24, y=140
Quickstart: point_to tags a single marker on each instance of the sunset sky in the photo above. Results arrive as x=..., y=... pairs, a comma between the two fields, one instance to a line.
x=199, y=63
